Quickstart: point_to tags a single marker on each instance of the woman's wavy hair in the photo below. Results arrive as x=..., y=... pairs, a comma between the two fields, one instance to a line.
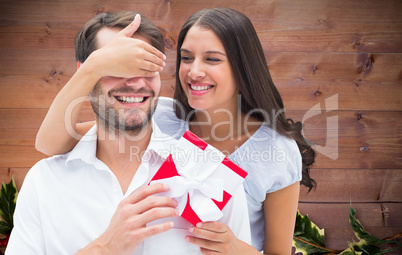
x=85, y=40
x=259, y=95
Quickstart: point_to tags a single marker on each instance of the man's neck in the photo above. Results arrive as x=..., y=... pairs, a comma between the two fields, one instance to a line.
x=122, y=152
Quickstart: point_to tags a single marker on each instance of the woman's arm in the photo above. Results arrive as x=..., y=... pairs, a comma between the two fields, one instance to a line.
x=53, y=136
x=123, y=57
x=280, y=209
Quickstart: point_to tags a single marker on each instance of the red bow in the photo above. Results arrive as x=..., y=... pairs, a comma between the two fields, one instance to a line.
x=200, y=177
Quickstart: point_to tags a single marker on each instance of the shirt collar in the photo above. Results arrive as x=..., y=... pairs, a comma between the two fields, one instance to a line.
x=85, y=149
x=160, y=144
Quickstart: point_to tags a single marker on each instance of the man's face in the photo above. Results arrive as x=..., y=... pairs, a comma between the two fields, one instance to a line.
x=122, y=104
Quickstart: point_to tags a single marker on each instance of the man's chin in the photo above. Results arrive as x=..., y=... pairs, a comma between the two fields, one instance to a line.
x=137, y=126
x=138, y=123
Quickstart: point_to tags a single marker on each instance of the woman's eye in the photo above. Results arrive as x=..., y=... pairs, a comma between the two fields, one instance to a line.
x=185, y=58
x=213, y=59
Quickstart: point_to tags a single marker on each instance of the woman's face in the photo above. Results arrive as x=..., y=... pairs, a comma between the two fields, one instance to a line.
x=205, y=73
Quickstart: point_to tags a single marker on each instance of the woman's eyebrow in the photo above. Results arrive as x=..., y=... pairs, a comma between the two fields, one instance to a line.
x=215, y=52
x=207, y=52
x=185, y=50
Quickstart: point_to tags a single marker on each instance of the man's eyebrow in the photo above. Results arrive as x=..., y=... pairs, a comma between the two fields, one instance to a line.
x=207, y=52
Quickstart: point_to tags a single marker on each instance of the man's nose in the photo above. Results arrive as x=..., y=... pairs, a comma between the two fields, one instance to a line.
x=135, y=82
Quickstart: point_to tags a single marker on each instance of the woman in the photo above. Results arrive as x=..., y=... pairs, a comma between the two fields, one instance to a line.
x=226, y=96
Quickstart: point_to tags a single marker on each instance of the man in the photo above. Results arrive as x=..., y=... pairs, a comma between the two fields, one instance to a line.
x=95, y=199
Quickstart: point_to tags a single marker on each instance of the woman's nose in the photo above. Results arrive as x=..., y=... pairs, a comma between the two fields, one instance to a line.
x=196, y=71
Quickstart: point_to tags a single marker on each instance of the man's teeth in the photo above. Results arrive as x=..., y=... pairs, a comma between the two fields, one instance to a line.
x=200, y=87
x=129, y=100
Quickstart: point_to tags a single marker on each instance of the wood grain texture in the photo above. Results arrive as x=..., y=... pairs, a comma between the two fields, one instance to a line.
x=369, y=214
x=354, y=186
x=338, y=238
x=286, y=25
x=362, y=81
x=359, y=140
x=336, y=63
x=18, y=173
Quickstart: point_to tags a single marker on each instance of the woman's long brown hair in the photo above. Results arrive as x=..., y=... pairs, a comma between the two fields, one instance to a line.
x=258, y=92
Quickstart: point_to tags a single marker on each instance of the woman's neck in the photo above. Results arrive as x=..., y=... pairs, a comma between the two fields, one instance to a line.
x=225, y=130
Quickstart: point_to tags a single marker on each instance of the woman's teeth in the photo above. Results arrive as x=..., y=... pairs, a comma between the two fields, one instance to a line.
x=130, y=100
x=200, y=87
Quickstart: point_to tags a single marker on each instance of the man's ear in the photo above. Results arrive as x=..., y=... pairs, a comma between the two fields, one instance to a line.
x=78, y=65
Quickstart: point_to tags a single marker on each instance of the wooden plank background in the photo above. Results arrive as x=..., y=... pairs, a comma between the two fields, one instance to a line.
x=337, y=64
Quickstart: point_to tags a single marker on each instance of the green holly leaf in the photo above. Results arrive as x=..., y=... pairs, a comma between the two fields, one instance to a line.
x=308, y=238
x=350, y=251
x=367, y=243
x=8, y=198
x=364, y=237
x=365, y=249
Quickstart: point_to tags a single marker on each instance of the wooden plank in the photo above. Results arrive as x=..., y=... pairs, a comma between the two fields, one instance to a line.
x=338, y=238
x=19, y=156
x=335, y=67
x=361, y=141
x=20, y=137
x=51, y=64
x=353, y=139
x=361, y=81
x=304, y=80
x=18, y=174
x=309, y=25
x=282, y=25
x=327, y=215
x=354, y=185
x=31, y=118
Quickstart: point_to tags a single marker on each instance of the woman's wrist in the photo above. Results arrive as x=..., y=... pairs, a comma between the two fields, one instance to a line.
x=245, y=248
x=93, y=68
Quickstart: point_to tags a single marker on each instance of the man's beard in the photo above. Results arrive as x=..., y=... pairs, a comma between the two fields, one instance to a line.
x=129, y=121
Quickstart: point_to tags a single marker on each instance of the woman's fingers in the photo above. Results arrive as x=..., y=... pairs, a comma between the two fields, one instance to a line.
x=128, y=57
x=213, y=238
x=132, y=27
x=213, y=226
x=203, y=243
x=160, y=57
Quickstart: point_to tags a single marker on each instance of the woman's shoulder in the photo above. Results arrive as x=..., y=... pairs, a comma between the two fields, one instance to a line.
x=266, y=137
x=272, y=160
x=165, y=104
x=267, y=147
x=166, y=119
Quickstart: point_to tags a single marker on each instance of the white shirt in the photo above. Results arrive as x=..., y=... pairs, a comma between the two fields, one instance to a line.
x=272, y=161
x=67, y=201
